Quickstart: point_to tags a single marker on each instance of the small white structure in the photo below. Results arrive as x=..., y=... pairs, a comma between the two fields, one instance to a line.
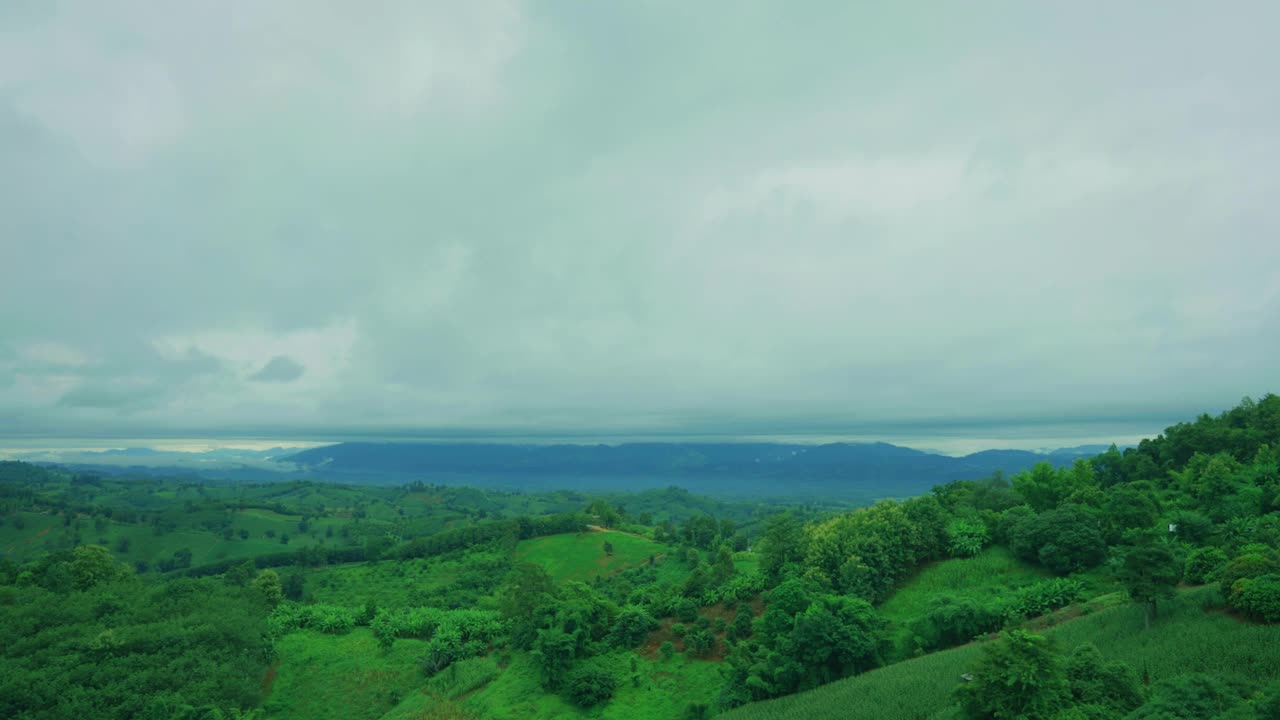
x=1173, y=527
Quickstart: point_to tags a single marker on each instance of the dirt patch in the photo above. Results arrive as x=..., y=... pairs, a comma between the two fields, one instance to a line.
x=269, y=679
x=649, y=649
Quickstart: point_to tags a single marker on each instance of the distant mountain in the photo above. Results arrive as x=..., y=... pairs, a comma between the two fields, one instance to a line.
x=844, y=470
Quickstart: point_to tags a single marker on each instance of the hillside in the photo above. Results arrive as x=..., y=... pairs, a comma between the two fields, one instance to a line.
x=309, y=599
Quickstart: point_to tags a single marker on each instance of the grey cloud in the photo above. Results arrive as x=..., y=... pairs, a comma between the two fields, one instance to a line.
x=112, y=396
x=280, y=368
x=498, y=216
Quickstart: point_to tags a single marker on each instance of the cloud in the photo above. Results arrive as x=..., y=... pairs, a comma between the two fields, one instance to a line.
x=658, y=218
x=281, y=369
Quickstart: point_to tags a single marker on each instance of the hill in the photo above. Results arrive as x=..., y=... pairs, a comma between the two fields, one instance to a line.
x=834, y=471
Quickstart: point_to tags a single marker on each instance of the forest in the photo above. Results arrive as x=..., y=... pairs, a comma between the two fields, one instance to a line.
x=1141, y=583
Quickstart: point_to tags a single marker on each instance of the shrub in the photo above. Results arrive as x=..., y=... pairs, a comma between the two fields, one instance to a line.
x=1247, y=566
x=667, y=650
x=966, y=537
x=1203, y=565
x=632, y=626
x=949, y=622
x=1258, y=597
x=700, y=642
x=589, y=686
x=1042, y=597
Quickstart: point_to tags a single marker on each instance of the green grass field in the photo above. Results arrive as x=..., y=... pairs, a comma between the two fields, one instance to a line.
x=1190, y=636
x=340, y=677
x=581, y=556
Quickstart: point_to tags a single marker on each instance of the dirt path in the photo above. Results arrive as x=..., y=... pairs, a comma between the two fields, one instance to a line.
x=597, y=528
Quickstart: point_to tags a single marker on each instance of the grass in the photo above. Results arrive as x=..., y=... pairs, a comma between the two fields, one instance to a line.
x=340, y=677
x=1186, y=638
x=581, y=556
x=985, y=577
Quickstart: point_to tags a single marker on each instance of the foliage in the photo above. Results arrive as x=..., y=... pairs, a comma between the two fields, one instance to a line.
x=1203, y=565
x=1019, y=676
x=951, y=621
x=1150, y=573
x=589, y=686
x=966, y=537
x=1043, y=597
x=1258, y=597
x=1064, y=540
x=126, y=649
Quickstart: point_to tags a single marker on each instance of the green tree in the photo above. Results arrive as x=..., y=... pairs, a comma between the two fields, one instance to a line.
x=589, y=686
x=268, y=586
x=1020, y=676
x=1187, y=697
x=524, y=599
x=723, y=568
x=1094, y=682
x=632, y=626
x=667, y=650
x=781, y=544
x=1151, y=572
x=93, y=564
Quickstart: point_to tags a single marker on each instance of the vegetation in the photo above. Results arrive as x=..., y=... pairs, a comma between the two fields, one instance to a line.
x=1142, y=583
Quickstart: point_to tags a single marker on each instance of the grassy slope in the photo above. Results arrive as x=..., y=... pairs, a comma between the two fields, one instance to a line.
x=984, y=577
x=581, y=556
x=1187, y=638
x=343, y=677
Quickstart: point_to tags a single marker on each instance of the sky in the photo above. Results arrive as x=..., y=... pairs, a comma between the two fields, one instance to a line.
x=400, y=218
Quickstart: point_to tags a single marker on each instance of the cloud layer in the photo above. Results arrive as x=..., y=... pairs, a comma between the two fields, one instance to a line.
x=599, y=218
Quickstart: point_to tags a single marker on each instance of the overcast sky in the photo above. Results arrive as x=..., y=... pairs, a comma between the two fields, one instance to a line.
x=604, y=218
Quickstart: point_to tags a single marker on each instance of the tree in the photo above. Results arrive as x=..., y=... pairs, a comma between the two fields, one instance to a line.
x=268, y=585
x=1186, y=697
x=589, y=686
x=1064, y=540
x=782, y=543
x=699, y=642
x=293, y=586
x=632, y=626
x=527, y=591
x=1020, y=676
x=1151, y=571
x=1093, y=682
x=555, y=651
x=93, y=564
x=667, y=650
x=723, y=568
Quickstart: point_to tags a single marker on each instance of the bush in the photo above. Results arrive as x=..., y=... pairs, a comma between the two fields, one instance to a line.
x=632, y=626
x=1247, y=566
x=589, y=686
x=667, y=650
x=1042, y=597
x=1258, y=597
x=949, y=622
x=1203, y=565
x=700, y=642
x=966, y=537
